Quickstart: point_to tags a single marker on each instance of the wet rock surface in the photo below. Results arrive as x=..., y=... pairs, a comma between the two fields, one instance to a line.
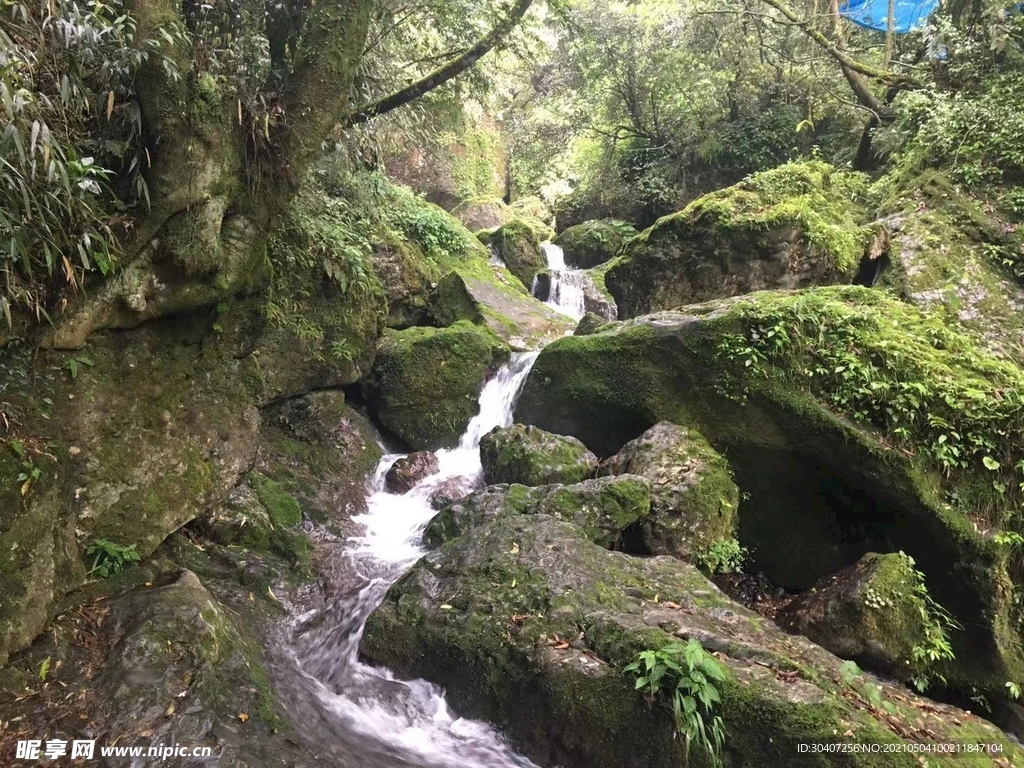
x=531, y=456
x=409, y=470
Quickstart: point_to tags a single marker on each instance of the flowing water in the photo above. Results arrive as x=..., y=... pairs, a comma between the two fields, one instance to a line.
x=566, y=292
x=363, y=716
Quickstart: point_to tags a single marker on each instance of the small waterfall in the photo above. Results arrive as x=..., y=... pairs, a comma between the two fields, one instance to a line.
x=410, y=720
x=566, y=289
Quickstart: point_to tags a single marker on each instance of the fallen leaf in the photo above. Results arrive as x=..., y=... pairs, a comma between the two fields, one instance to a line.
x=515, y=549
x=242, y=716
x=446, y=607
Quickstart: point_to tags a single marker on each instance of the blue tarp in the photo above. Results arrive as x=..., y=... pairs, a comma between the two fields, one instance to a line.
x=874, y=14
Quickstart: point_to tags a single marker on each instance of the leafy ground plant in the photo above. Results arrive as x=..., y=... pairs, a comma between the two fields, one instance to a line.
x=109, y=559
x=682, y=677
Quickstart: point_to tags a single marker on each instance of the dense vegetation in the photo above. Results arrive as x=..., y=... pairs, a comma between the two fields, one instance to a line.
x=245, y=245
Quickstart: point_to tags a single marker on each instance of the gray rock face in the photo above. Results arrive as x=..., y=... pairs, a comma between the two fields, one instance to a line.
x=531, y=456
x=693, y=496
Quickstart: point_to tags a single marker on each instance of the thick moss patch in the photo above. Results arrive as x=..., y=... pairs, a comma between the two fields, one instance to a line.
x=885, y=397
x=425, y=382
x=518, y=245
x=594, y=242
x=793, y=226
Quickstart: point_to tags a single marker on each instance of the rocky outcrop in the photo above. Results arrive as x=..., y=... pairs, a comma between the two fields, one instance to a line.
x=498, y=301
x=409, y=470
x=607, y=510
x=874, y=612
x=531, y=456
x=833, y=469
x=482, y=214
x=693, y=497
x=517, y=244
x=795, y=226
x=528, y=624
x=424, y=384
x=946, y=252
x=594, y=242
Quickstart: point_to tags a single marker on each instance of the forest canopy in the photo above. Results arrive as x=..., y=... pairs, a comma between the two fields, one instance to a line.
x=126, y=119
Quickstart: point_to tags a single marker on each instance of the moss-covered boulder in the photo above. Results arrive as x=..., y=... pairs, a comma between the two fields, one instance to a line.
x=182, y=669
x=594, y=242
x=499, y=302
x=795, y=226
x=518, y=246
x=606, y=509
x=531, y=456
x=405, y=273
x=948, y=252
x=39, y=559
x=817, y=399
x=693, y=496
x=425, y=382
x=526, y=623
x=875, y=612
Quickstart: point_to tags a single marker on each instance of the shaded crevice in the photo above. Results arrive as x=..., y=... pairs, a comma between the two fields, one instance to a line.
x=633, y=541
x=872, y=269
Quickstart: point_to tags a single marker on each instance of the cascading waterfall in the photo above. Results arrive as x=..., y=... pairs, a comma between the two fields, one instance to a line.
x=407, y=723
x=566, y=292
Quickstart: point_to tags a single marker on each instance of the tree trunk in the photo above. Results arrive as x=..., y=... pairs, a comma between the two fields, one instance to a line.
x=213, y=204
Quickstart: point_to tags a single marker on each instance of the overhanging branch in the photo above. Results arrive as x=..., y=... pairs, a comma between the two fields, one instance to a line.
x=444, y=73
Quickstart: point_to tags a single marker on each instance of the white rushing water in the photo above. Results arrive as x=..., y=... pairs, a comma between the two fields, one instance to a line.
x=410, y=719
x=566, y=292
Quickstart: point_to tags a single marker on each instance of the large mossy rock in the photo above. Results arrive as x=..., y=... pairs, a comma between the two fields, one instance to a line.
x=497, y=300
x=518, y=245
x=482, y=214
x=594, y=242
x=425, y=382
x=834, y=467
x=531, y=456
x=605, y=509
x=39, y=559
x=528, y=624
x=794, y=226
x=179, y=638
x=948, y=252
x=693, y=496
x=872, y=612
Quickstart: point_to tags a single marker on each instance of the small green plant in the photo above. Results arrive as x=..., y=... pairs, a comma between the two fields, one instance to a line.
x=109, y=558
x=934, y=647
x=723, y=556
x=1013, y=690
x=44, y=669
x=682, y=677
x=74, y=364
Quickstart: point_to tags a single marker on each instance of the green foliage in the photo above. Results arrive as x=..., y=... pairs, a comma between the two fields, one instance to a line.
x=427, y=225
x=109, y=559
x=682, y=678
x=723, y=556
x=74, y=364
x=71, y=146
x=931, y=389
x=1012, y=690
x=934, y=647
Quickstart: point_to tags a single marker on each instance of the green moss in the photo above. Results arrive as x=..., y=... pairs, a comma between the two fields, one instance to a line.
x=531, y=456
x=425, y=381
x=867, y=386
x=518, y=245
x=796, y=225
x=594, y=242
x=282, y=508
